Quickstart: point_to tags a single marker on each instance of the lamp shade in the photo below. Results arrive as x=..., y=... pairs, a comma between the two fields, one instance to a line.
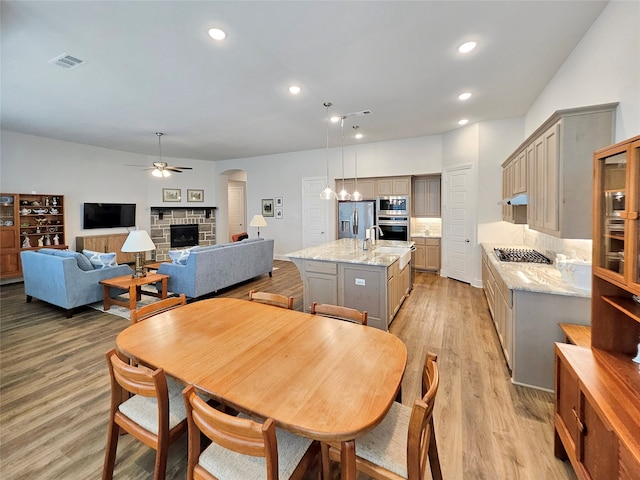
x=258, y=221
x=138, y=241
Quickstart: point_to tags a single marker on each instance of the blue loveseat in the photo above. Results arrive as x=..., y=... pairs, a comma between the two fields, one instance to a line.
x=54, y=276
x=209, y=269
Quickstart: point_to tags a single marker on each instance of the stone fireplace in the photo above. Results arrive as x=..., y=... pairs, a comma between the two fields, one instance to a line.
x=163, y=217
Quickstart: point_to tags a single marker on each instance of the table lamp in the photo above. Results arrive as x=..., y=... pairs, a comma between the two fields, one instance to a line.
x=258, y=221
x=138, y=241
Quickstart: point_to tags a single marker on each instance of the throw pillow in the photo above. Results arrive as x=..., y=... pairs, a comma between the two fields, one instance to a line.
x=179, y=257
x=83, y=262
x=101, y=260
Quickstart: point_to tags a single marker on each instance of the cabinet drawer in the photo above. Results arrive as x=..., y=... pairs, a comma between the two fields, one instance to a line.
x=419, y=240
x=432, y=241
x=321, y=267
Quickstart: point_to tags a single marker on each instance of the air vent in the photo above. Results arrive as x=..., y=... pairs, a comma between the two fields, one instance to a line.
x=67, y=61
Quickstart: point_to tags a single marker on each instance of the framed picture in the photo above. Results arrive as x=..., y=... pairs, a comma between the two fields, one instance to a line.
x=195, y=195
x=278, y=202
x=171, y=195
x=267, y=207
x=279, y=212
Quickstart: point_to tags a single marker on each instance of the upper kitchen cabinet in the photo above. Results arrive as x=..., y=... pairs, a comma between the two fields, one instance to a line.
x=426, y=196
x=366, y=187
x=560, y=172
x=393, y=186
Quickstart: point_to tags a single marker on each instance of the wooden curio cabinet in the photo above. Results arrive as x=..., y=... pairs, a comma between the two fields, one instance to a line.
x=28, y=222
x=597, y=421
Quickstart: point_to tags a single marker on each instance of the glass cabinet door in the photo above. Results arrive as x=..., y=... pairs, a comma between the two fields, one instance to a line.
x=7, y=210
x=613, y=222
x=634, y=212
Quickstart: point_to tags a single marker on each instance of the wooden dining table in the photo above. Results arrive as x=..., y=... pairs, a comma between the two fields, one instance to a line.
x=318, y=377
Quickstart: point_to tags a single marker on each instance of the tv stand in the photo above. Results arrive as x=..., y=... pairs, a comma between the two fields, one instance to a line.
x=111, y=242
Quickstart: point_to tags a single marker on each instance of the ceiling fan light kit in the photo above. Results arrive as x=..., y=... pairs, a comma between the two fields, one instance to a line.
x=162, y=169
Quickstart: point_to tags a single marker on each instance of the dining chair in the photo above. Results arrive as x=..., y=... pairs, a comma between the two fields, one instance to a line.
x=341, y=313
x=401, y=445
x=272, y=299
x=242, y=447
x=155, y=308
x=153, y=414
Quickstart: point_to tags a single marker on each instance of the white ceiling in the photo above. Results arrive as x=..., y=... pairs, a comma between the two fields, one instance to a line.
x=152, y=67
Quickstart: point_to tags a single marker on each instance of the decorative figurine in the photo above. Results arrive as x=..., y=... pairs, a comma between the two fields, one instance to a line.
x=47, y=240
x=26, y=243
x=54, y=201
x=56, y=239
x=41, y=241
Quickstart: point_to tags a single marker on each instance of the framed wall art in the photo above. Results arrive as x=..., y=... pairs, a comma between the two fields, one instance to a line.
x=267, y=207
x=195, y=195
x=171, y=195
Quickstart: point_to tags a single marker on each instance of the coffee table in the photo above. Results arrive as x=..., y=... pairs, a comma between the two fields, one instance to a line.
x=133, y=284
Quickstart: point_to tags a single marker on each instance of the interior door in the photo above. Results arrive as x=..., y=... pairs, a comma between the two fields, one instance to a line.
x=315, y=212
x=236, y=208
x=458, y=224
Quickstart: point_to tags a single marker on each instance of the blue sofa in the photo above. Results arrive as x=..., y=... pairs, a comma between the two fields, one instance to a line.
x=209, y=269
x=54, y=276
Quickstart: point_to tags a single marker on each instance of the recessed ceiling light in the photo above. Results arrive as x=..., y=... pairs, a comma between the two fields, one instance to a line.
x=358, y=136
x=464, y=96
x=467, y=47
x=335, y=119
x=294, y=89
x=464, y=121
x=217, y=34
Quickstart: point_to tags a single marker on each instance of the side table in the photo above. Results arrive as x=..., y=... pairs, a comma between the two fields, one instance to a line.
x=133, y=284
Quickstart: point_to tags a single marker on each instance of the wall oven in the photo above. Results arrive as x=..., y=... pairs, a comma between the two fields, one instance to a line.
x=394, y=227
x=396, y=205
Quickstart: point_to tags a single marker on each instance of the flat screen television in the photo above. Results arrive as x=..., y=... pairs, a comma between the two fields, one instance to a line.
x=109, y=215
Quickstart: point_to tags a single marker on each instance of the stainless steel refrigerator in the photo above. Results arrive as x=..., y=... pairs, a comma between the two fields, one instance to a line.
x=354, y=218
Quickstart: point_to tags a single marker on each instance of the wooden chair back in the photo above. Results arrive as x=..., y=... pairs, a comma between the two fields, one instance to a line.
x=271, y=299
x=129, y=379
x=421, y=439
x=241, y=435
x=341, y=313
x=155, y=308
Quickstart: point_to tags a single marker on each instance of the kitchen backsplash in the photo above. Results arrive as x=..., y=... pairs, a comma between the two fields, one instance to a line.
x=420, y=226
x=550, y=246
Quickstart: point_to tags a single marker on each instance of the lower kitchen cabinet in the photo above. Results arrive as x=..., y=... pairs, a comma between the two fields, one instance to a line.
x=427, y=254
x=320, y=283
x=597, y=421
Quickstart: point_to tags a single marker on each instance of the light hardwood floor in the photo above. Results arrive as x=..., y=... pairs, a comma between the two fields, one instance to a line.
x=54, y=388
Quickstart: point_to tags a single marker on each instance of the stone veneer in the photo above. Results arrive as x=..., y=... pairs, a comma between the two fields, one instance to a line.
x=160, y=230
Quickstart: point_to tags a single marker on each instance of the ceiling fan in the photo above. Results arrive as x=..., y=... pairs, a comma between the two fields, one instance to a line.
x=160, y=168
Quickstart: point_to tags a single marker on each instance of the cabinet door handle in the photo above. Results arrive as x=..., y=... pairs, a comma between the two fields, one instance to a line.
x=582, y=428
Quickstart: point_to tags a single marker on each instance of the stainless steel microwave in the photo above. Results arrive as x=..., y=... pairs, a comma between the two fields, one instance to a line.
x=393, y=205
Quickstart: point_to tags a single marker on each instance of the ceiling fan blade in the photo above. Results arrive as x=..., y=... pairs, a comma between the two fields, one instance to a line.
x=173, y=169
x=183, y=168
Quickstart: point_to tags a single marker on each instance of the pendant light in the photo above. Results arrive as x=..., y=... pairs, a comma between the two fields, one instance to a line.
x=356, y=196
x=160, y=171
x=327, y=193
x=343, y=195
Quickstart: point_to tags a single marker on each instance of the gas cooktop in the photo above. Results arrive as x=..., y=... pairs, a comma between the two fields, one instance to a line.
x=526, y=255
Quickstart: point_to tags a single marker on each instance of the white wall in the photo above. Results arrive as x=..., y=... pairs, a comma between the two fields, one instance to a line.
x=83, y=173
x=604, y=67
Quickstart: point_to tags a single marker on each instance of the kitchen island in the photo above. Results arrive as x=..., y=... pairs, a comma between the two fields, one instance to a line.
x=343, y=273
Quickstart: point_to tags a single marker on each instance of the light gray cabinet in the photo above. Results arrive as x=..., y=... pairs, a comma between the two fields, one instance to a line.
x=557, y=162
x=320, y=283
x=393, y=186
x=427, y=254
x=425, y=198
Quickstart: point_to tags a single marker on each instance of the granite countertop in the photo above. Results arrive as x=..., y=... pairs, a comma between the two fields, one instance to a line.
x=422, y=235
x=349, y=250
x=531, y=277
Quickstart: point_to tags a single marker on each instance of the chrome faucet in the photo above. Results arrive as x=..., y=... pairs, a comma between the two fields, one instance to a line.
x=375, y=230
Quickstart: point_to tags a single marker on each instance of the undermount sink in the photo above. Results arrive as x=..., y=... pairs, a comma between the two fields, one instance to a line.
x=403, y=252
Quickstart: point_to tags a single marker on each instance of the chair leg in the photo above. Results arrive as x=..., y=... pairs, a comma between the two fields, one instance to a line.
x=434, y=459
x=110, y=454
x=161, y=462
x=325, y=461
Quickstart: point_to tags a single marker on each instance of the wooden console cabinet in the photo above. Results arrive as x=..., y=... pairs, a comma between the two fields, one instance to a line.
x=106, y=243
x=597, y=420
